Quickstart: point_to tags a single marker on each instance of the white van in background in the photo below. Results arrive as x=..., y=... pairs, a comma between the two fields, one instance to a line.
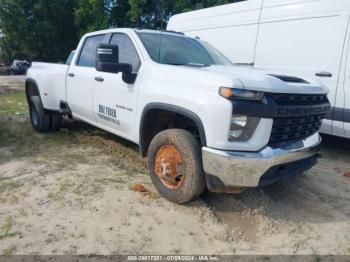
x=308, y=38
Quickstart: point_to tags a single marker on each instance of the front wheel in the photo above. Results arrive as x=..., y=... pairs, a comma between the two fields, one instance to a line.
x=175, y=165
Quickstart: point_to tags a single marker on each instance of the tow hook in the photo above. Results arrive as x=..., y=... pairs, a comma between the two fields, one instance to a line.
x=319, y=156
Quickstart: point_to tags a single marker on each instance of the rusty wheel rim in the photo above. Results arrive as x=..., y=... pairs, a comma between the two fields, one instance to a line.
x=169, y=167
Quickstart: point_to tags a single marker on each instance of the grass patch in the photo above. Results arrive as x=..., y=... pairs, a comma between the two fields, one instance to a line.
x=7, y=192
x=20, y=140
x=65, y=187
x=13, y=103
x=7, y=225
x=81, y=190
x=8, y=186
x=7, y=235
x=9, y=250
x=6, y=229
x=52, y=195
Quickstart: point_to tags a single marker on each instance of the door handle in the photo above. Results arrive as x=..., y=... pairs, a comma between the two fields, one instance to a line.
x=99, y=79
x=323, y=74
x=71, y=75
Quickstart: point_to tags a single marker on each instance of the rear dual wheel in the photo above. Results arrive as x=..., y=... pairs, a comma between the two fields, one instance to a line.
x=175, y=165
x=41, y=119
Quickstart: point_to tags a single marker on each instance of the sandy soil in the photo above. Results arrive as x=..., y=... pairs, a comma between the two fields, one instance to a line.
x=72, y=193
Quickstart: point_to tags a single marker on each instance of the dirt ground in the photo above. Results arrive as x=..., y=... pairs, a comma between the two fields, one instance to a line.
x=72, y=192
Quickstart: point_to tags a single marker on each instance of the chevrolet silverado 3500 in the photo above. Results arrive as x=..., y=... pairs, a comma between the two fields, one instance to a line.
x=201, y=121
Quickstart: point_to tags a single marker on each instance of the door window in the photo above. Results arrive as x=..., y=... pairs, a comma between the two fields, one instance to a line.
x=88, y=54
x=127, y=51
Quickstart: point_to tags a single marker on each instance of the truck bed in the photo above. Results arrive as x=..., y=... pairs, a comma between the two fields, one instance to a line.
x=52, y=81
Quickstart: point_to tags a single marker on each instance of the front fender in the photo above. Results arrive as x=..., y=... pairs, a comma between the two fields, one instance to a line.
x=172, y=108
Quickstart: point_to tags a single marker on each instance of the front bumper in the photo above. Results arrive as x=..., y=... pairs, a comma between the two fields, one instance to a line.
x=228, y=170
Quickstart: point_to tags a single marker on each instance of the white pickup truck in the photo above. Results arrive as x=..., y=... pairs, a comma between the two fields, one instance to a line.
x=200, y=121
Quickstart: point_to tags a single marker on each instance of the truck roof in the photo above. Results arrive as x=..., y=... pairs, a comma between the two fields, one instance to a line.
x=137, y=30
x=158, y=31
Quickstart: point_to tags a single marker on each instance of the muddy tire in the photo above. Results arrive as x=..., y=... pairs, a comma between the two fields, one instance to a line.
x=56, y=121
x=38, y=117
x=175, y=165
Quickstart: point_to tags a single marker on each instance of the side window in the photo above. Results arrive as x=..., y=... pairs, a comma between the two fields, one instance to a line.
x=127, y=51
x=88, y=54
x=70, y=58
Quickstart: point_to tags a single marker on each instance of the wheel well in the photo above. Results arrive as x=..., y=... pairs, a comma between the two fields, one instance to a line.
x=31, y=89
x=156, y=120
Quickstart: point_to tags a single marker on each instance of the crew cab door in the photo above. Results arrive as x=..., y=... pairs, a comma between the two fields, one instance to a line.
x=80, y=76
x=114, y=101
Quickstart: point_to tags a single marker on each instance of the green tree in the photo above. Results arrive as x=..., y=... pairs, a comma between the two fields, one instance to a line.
x=121, y=14
x=48, y=29
x=155, y=13
x=92, y=15
x=37, y=29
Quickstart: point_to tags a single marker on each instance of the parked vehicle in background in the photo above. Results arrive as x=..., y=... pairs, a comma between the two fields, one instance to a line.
x=19, y=67
x=199, y=120
x=298, y=37
x=4, y=70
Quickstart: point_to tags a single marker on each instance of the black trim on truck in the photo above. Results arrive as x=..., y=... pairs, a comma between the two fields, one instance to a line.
x=346, y=115
x=339, y=114
x=31, y=81
x=269, y=107
x=287, y=171
x=295, y=116
x=171, y=108
x=64, y=109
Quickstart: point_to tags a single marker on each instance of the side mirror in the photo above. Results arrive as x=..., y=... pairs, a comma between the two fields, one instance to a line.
x=107, y=60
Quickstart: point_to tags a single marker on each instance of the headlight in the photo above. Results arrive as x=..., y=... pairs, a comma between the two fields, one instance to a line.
x=242, y=127
x=233, y=93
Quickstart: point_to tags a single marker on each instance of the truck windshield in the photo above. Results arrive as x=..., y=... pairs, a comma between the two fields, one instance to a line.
x=180, y=50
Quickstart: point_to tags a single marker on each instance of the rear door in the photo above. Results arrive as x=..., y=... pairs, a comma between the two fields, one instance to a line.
x=305, y=39
x=80, y=76
x=344, y=112
x=347, y=108
x=114, y=101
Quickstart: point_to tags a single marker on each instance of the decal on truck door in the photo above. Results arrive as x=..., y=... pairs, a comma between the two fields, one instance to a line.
x=108, y=114
x=125, y=108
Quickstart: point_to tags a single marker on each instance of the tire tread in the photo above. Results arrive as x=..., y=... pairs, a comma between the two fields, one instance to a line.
x=195, y=179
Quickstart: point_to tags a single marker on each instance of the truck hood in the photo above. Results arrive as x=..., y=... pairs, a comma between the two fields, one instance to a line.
x=269, y=81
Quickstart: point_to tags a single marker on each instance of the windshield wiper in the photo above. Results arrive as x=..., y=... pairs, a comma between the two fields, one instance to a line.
x=189, y=64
